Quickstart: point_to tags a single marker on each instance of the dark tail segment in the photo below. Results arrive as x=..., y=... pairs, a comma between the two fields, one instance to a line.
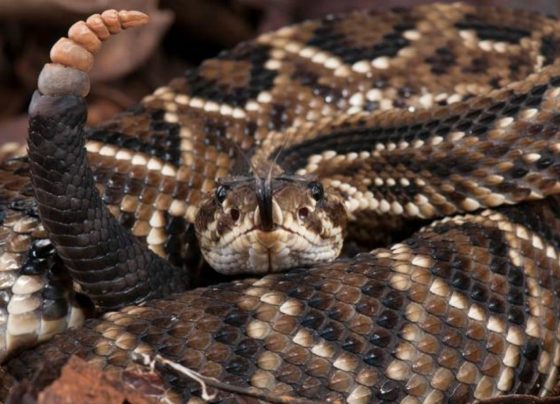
x=112, y=266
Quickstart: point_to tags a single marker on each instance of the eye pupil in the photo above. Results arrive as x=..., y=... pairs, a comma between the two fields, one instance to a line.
x=234, y=213
x=316, y=190
x=303, y=213
x=221, y=193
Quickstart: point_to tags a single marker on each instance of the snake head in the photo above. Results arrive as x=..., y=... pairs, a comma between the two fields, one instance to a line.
x=252, y=225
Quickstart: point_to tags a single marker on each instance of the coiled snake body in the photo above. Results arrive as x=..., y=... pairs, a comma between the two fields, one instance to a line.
x=441, y=113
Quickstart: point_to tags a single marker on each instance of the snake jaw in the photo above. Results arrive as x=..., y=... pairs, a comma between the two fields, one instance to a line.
x=259, y=252
x=247, y=245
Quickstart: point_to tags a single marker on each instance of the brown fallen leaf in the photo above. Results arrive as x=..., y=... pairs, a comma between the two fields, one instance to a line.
x=80, y=382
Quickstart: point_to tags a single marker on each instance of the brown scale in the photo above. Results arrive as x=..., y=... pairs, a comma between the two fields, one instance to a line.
x=230, y=74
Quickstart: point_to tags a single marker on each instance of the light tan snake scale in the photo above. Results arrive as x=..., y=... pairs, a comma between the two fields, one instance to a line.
x=431, y=134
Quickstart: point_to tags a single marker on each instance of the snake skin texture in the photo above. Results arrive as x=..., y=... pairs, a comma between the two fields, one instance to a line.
x=443, y=114
x=465, y=308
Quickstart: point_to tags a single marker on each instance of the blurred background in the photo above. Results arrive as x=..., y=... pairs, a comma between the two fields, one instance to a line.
x=180, y=35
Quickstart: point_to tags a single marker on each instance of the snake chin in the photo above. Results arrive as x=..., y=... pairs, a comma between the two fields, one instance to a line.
x=251, y=227
x=260, y=252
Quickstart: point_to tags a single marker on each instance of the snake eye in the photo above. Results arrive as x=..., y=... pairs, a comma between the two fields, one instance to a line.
x=221, y=193
x=316, y=190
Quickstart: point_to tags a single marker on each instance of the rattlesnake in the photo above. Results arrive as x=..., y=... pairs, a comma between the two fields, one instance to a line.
x=444, y=116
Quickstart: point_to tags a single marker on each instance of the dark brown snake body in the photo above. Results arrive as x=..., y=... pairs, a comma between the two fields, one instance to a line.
x=442, y=112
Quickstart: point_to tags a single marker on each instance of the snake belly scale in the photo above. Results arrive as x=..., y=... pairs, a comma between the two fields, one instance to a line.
x=446, y=114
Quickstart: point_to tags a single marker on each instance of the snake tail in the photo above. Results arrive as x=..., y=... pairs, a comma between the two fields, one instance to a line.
x=107, y=261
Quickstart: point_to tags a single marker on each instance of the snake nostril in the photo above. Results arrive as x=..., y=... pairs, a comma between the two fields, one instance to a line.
x=303, y=213
x=234, y=213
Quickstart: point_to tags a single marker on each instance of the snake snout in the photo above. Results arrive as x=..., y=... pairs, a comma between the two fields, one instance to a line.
x=260, y=222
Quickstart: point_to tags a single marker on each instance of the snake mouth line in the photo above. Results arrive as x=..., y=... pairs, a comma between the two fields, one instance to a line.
x=255, y=228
